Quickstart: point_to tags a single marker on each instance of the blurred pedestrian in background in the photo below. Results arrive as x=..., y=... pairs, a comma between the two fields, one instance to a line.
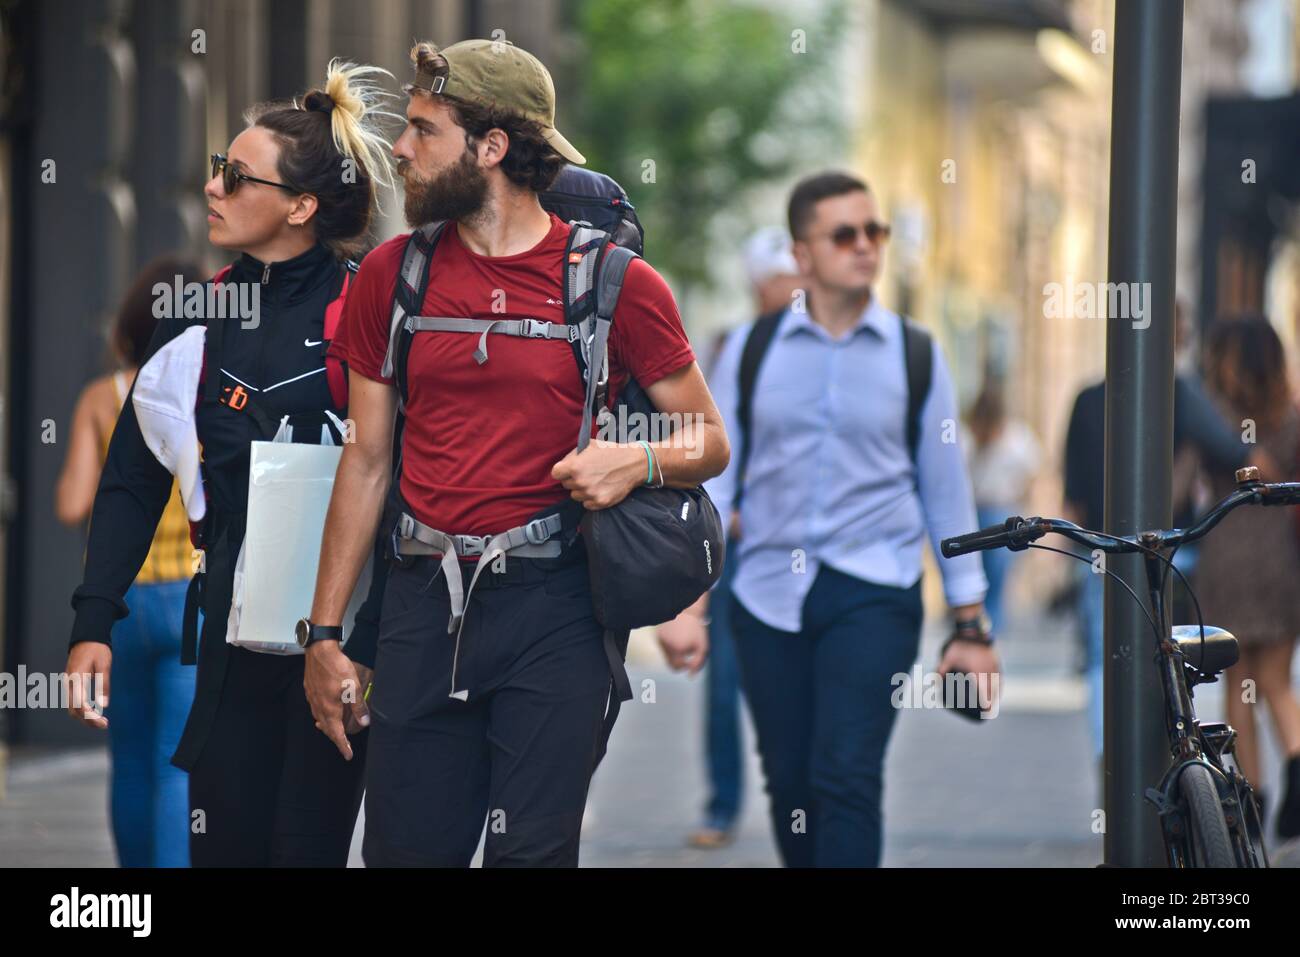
x=773, y=277
x=1200, y=431
x=1247, y=574
x=1003, y=457
x=843, y=478
x=148, y=801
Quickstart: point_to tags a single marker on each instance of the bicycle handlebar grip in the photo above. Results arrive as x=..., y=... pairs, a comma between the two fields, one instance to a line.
x=995, y=536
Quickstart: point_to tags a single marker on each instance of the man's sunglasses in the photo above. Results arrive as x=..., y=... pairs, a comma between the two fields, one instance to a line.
x=846, y=236
x=231, y=177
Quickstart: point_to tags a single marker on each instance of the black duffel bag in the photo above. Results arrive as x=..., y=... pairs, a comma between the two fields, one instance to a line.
x=656, y=552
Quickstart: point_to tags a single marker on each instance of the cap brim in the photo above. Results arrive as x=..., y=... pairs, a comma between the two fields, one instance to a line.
x=563, y=146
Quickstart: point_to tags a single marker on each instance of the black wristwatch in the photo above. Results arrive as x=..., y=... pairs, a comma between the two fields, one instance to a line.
x=979, y=628
x=309, y=634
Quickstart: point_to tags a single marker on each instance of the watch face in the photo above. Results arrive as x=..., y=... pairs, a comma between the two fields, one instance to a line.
x=302, y=630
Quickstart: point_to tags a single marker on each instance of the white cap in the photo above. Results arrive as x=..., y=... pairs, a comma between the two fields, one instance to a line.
x=767, y=254
x=166, y=389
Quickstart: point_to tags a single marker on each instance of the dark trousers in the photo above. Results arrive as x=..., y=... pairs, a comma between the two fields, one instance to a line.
x=725, y=757
x=518, y=752
x=268, y=789
x=821, y=705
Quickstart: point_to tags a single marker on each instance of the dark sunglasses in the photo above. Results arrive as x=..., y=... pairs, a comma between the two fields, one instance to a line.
x=846, y=236
x=231, y=177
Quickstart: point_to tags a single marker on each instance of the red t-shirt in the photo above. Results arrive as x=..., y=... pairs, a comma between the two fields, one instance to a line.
x=480, y=440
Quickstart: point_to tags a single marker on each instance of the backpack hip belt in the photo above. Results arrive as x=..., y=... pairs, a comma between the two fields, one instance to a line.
x=534, y=539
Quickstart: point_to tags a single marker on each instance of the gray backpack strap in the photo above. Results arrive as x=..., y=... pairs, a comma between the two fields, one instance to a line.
x=608, y=287
x=412, y=282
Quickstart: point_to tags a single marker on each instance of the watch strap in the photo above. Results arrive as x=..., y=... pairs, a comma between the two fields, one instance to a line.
x=317, y=633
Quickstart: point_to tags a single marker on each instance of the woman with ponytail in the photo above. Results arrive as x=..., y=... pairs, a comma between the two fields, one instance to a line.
x=294, y=196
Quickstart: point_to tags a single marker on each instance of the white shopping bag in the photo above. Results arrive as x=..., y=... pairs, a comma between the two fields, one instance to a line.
x=289, y=488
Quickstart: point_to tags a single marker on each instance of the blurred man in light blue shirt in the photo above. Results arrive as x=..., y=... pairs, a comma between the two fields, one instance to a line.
x=833, y=519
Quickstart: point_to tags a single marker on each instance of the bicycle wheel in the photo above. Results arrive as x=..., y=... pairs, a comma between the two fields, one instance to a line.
x=1208, y=835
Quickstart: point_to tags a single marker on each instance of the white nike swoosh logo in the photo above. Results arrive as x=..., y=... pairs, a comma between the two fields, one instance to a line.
x=308, y=342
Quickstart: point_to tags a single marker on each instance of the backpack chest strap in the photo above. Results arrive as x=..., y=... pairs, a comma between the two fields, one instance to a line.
x=522, y=328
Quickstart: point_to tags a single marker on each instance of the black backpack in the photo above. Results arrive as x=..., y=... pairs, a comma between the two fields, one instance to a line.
x=918, y=360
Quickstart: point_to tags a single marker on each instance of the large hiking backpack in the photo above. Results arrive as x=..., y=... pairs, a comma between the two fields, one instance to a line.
x=583, y=195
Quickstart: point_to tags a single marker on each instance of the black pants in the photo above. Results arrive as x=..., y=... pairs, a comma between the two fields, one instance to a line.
x=268, y=789
x=518, y=752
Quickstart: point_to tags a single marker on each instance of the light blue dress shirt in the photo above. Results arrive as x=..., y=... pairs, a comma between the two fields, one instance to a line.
x=830, y=478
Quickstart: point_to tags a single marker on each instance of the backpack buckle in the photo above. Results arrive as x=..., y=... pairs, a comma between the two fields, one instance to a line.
x=535, y=531
x=534, y=328
x=398, y=557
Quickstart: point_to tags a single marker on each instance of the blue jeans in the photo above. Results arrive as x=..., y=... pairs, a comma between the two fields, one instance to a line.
x=724, y=758
x=149, y=701
x=1091, y=619
x=821, y=702
x=997, y=562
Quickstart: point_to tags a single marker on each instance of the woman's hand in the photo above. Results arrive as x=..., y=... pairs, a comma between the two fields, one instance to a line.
x=86, y=682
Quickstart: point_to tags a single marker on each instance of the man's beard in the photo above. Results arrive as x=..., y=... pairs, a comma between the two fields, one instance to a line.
x=456, y=193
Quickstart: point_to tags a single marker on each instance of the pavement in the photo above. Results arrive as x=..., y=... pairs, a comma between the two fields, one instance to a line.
x=1018, y=790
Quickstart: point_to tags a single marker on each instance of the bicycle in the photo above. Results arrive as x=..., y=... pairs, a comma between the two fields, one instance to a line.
x=1207, y=809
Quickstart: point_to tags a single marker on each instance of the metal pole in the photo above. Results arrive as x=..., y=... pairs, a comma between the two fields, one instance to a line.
x=1139, y=401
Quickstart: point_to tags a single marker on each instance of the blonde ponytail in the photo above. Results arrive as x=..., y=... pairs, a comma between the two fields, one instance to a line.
x=357, y=103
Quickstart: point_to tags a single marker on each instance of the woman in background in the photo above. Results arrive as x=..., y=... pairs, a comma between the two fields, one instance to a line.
x=1249, y=564
x=148, y=801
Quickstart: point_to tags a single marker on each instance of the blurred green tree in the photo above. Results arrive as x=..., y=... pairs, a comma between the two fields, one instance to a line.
x=691, y=103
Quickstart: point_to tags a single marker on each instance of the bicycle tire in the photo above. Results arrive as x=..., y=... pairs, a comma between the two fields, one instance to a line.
x=1208, y=837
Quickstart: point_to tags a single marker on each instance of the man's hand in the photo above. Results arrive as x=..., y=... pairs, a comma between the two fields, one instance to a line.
x=335, y=693
x=974, y=658
x=602, y=475
x=685, y=642
x=88, y=662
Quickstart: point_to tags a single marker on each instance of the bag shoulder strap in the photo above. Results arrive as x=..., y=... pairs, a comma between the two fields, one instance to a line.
x=757, y=342
x=408, y=298
x=334, y=311
x=212, y=348
x=918, y=355
x=594, y=272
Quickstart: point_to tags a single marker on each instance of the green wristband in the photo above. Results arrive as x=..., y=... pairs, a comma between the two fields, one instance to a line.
x=649, y=462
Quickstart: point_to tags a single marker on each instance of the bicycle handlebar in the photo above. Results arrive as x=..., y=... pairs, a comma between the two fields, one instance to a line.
x=1016, y=533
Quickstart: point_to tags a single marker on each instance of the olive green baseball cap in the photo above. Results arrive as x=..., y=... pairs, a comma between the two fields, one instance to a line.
x=496, y=74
